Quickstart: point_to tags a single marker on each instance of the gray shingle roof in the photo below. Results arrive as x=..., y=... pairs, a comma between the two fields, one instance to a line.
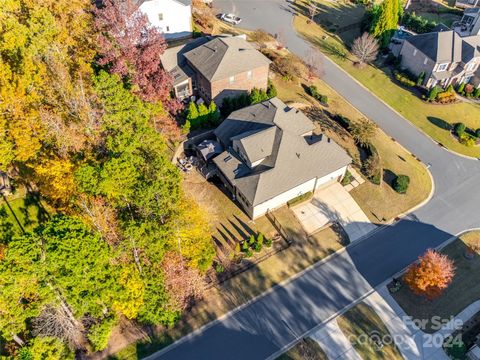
x=223, y=57
x=441, y=47
x=292, y=162
x=470, y=48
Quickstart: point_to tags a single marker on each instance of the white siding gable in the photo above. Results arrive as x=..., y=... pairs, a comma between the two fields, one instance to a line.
x=173, y=18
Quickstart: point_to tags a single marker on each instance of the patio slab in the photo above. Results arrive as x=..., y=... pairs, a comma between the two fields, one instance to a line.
x=330, y=204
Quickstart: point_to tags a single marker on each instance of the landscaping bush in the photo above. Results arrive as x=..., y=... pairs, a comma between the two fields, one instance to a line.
x=468, y=89
x=219, y=268
x=401, y=184
x=434, y=91
x=299, y=199
x=446, y=97
x=268, y=242
x=313, y=92
x=477, y=133
x=403, y=79
x=455, y=350
x=271, y=90
x=459, y=128
x=460, y=88
x=258, y=243
x=347, y=179
x=251, y=240
x=476, y=93
x=466, y=139
x=257, y=96
x=417, y=23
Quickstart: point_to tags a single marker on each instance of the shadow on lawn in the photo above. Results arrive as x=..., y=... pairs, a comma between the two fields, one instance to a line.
x=442, y=124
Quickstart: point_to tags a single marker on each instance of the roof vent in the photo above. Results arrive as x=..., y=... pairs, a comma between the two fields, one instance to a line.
x=228, y=158
x=328, y=139
x=298, y=155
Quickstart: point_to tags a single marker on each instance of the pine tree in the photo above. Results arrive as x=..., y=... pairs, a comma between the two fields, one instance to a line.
x=213, y=114
x=203, y=115
x=192, y=114
x=386, y=22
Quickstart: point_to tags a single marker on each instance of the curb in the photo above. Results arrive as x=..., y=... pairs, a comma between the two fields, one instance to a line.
x=363, y=297
x=383, y=102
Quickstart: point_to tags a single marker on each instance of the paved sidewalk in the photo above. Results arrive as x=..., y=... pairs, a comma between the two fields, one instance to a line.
x=334, y=343
x=412, y=342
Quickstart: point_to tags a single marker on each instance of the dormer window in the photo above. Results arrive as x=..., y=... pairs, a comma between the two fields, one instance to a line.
x=471, y=66
x=442, y=67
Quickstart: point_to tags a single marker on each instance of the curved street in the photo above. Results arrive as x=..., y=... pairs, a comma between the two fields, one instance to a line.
x=274, y=321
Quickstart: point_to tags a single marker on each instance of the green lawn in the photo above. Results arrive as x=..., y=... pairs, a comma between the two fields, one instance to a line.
x=304, y=349
x=432, y=119
x=358, y=324
x=464, y=289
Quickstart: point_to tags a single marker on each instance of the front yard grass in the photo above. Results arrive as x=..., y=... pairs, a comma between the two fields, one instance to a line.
x=430, y=118
x=464, y=289
x=360, y=323
x=379, y=202
x=305, y=347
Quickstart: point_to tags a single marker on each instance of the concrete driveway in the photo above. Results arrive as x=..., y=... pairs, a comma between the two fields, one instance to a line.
x=333, y=203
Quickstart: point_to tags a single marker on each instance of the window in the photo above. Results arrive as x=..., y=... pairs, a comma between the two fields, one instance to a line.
x=442, y=67
x=414, y=52
x=168, y=28
x=470, y=66
x=425, y=61
x=249, y=74
x=160, y=17
x=232, y=79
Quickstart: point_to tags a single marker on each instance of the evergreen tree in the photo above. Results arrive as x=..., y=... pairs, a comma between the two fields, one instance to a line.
x=386, y=20
x=213, y=114
x=203, y=115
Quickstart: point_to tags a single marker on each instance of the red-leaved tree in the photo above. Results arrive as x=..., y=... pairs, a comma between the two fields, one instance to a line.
x=430, y=275
x=132, y=49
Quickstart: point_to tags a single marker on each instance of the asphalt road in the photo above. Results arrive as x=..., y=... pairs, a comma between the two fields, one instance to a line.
x=261, y=329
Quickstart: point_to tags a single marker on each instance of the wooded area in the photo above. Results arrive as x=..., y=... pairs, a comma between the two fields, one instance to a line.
x=85, y=117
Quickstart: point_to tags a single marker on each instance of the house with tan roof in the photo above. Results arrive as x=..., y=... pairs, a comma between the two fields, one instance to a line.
x=272, y=156
x=216, y=67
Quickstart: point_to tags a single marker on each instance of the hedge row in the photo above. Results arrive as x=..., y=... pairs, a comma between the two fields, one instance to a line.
x=299, y=199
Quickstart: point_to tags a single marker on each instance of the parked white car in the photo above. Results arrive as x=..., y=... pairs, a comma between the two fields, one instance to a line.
x=231, y=18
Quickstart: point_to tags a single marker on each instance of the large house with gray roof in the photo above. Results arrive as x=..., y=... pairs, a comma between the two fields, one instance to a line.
x=444, y=56
x=272, y=156
x=216, y=67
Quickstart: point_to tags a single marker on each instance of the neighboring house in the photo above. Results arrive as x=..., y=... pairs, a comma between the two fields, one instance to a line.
x=216, y=67
x=469, y=25
x=172, y=17
x=444, y=56
x=272, y=157
x=465, y=4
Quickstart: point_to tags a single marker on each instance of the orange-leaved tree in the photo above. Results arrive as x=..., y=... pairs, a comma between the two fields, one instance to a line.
x=430, y=275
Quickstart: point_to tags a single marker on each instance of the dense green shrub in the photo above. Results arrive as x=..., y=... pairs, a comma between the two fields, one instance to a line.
x=476, y=93
x=477, y=133
x=313, y=92
x=459, y=128
x=347, y=179
x=455, y=350
x=434, y=91
x=446, y=97
x=417, y=23
x=299, y=199
x=460, y=88
x=257, y=96
x=268, y=242
x=401, y=184
x=271, y=90
x=403, y=79
x=99, y=334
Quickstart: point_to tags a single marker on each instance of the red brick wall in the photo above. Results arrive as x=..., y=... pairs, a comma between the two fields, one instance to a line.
x=223, y=88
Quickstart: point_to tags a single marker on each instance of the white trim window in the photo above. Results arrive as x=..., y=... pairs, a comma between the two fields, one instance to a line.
x=160, y=16
x=442, y=67
x=231, y=80
x=249, y=74
x=414, y=52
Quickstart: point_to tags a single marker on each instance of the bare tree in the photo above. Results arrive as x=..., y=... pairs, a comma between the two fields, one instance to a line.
x=57, y=322
x=365, y=48
x=314, y=63
x=312, y=9
x=363, y=131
